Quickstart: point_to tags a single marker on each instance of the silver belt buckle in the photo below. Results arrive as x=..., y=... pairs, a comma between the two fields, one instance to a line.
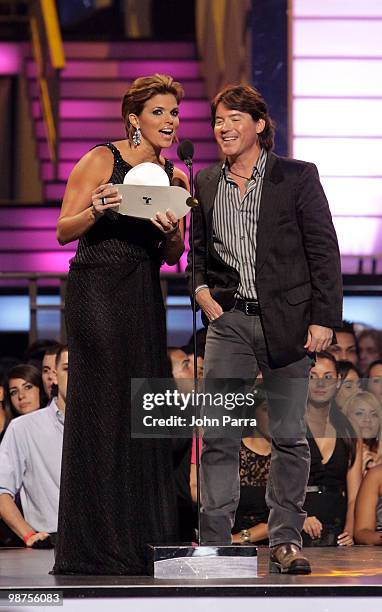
x=247, y=306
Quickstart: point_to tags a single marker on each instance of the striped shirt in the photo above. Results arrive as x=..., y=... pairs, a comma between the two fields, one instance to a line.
x=235, y=224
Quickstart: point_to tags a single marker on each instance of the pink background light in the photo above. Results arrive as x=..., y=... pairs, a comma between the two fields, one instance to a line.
x=337, y=110
x=337, y=38
x=342, y=156
x=337, y=77
x=335, y=8
x=337, y=117
x=10, y=58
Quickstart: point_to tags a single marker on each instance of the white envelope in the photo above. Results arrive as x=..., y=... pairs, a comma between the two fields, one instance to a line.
x=144, y=201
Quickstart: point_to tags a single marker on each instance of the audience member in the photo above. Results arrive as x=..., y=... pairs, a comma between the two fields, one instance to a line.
x=24, y=391
x=182, y=370
x=189, y=350
x=374, y=379
x=350, y=381
x=48, y=368
x=345, y=347
x=370, y=348
x=200, y=348
x=30, y=464
x=201, y=335
x=368, y=510
x=255, y=461
x=336, y=459
x=255, y=457
x=35, y=352
x=4, y=415
x=181, y=364
x=365, y=413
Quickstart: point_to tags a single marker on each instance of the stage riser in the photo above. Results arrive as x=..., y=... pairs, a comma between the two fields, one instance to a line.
x=91, y=109
x=106, y=129
x=129, y=69
x=111, y=88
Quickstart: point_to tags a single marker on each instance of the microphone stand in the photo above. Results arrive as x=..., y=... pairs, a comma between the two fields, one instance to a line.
x=192, y=202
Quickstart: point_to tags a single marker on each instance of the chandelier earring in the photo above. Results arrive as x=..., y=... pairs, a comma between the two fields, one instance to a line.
x=137, y=137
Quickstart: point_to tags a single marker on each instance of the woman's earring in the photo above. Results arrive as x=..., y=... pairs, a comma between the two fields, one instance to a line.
x=137, y=137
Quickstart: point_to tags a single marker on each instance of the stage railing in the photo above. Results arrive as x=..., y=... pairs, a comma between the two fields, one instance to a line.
x=35, y=281
x=171, y=284
x=32, y=280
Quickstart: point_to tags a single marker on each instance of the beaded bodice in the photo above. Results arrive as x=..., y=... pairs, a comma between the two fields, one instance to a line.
x=114, y=238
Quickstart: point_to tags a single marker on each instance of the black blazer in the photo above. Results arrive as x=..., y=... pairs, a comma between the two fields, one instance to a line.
x=298, y=271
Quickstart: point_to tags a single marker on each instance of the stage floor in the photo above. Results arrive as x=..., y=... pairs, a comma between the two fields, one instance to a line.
x=344, y=571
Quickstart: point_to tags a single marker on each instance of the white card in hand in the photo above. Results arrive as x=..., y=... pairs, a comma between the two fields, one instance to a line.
x=144, y=201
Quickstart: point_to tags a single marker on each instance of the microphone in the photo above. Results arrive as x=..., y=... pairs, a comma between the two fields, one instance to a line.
x=185, y=151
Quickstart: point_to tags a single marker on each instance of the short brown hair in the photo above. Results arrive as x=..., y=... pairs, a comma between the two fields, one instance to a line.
x=144, y=88
x=63, y=349
x=246, y=99
x=375, y=335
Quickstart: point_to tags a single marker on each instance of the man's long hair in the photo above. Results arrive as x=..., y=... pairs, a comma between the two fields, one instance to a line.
x=247, y=99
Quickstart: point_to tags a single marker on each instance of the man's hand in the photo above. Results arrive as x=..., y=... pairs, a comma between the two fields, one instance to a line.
x=318, y=339
x=312, y=526
x=210, y=307
x=42, y=535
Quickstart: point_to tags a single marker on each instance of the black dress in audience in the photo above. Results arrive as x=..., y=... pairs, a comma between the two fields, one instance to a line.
x=326, y=496
x=254, y=472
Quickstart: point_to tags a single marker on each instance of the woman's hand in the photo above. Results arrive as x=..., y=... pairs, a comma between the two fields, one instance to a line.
x=313, y=527
x=369, y=460
x=41, y=535
x=105, y=197
x=345, y=539
x=236, y=539
x=167, y=223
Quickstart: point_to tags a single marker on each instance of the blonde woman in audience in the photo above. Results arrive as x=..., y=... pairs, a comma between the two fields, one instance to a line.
x=365, y=413
x=368, y=509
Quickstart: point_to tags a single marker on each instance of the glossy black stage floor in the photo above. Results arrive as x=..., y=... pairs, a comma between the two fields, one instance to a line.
x=341, y=572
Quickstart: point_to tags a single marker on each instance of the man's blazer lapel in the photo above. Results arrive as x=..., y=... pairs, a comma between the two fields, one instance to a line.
x=269, y=208
x=207, y=192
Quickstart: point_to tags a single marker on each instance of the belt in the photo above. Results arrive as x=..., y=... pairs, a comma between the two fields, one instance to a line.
x=249, y=307
x=323, y=489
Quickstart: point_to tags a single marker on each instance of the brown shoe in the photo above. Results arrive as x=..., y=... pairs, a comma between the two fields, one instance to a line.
x=288, y=559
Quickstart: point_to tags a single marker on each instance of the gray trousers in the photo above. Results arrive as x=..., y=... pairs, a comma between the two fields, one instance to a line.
x=235, y=348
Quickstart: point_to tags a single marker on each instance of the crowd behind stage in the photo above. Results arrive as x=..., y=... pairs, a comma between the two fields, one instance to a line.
x=344, y=427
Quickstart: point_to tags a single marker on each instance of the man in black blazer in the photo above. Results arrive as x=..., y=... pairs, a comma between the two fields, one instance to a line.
x=268, y=281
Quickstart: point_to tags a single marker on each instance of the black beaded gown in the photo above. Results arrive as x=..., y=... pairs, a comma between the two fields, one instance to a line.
x=117, y=492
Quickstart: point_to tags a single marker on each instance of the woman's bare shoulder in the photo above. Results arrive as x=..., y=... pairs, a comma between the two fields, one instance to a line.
x=98, y=155
x=181, y=177
x=98, y=161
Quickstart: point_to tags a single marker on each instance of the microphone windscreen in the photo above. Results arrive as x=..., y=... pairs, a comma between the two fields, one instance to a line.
x=185, y=150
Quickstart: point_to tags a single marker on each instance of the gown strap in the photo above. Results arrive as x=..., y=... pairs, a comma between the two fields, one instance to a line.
x=116, y=152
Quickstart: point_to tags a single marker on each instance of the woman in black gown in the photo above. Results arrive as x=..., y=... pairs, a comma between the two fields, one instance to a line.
x=117, y=492
x=336, y=460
